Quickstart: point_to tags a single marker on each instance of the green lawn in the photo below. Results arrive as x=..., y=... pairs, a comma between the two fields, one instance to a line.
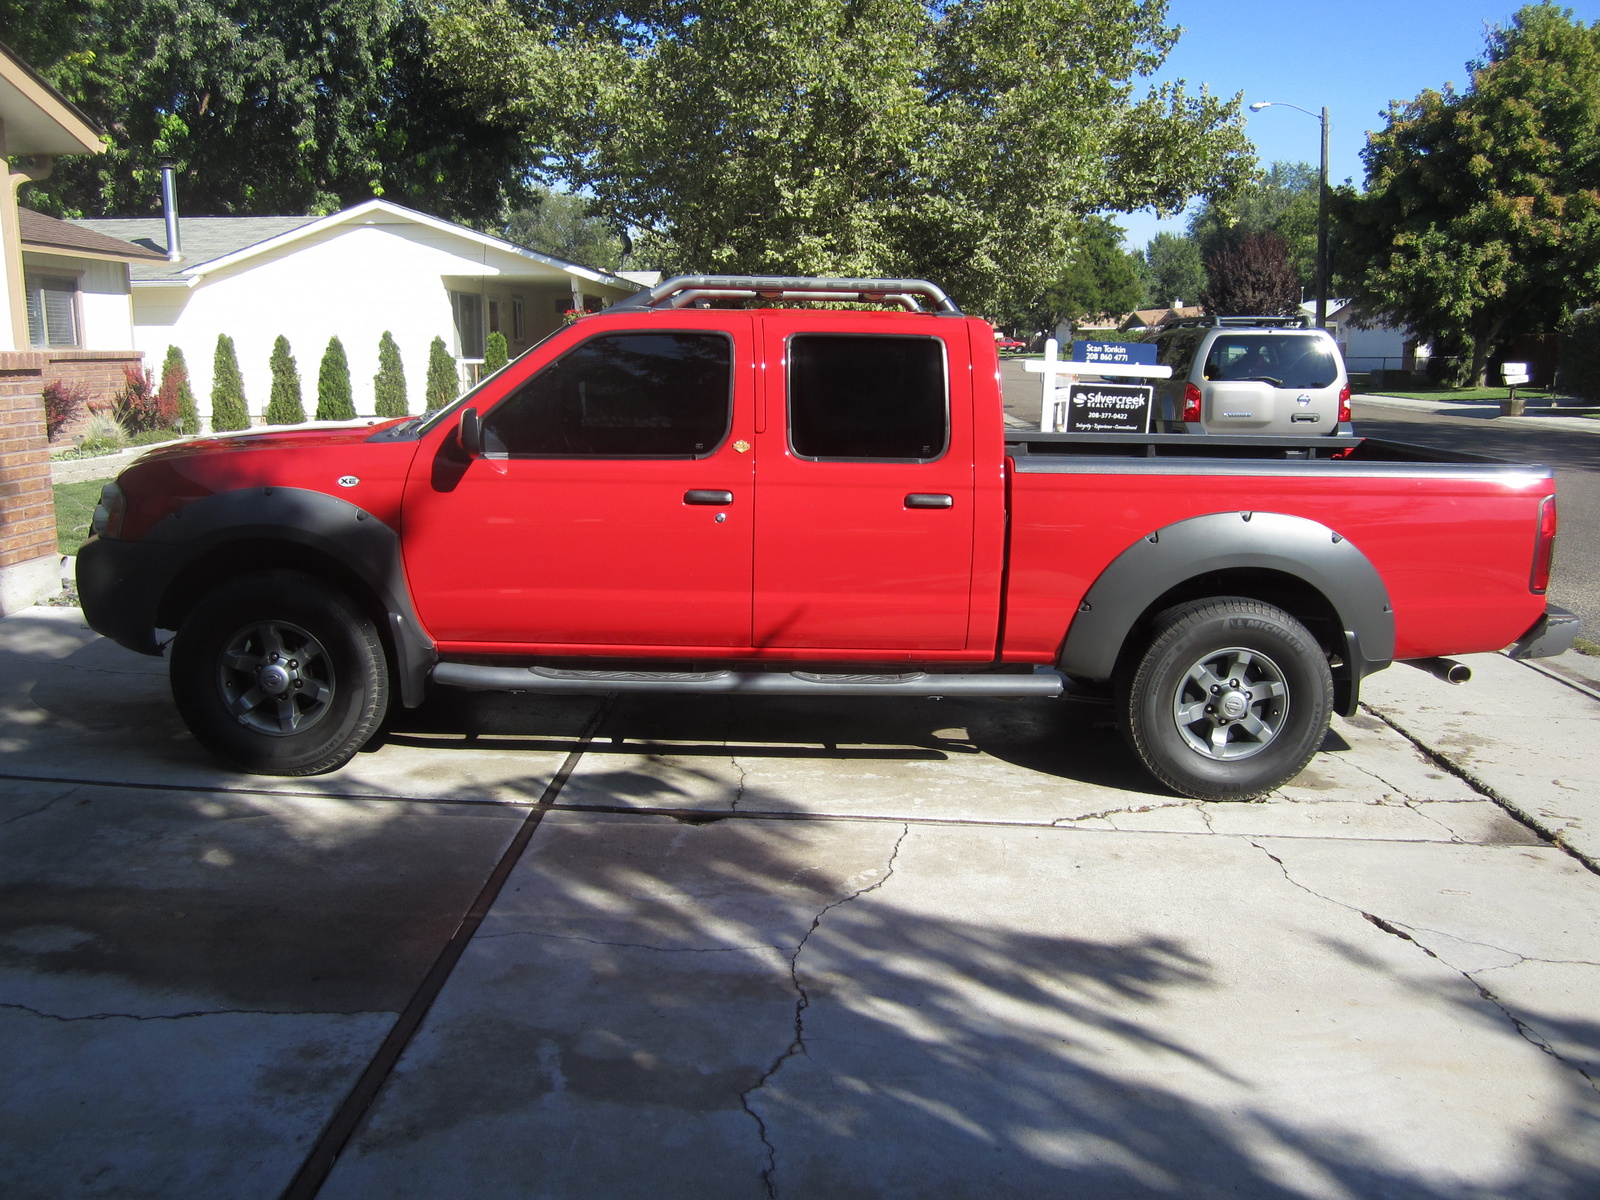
x=74, y=510
x=1470, y=395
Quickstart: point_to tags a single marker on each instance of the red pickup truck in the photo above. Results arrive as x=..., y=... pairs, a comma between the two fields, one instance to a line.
x=688, y=493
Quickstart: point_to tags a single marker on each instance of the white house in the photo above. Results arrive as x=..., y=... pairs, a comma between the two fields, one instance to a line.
x=1367, y=343
x=372, y=268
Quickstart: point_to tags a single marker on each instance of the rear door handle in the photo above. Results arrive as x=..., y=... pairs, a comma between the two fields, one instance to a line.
x=703, y=496
x=929, y=500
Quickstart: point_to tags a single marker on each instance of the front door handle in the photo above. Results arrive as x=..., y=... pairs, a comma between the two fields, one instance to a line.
x=703, y=496
x=929, y=500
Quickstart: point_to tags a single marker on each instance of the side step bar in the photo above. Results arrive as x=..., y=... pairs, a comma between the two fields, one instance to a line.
x=1043, y=682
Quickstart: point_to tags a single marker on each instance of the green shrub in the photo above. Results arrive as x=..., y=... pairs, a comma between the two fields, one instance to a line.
x=175, y=390
x=228, y=410
x=285, y=407
x=389, y=384
x=1580, y=355
x=333, y=385
x=495, y=353
x=443, y=382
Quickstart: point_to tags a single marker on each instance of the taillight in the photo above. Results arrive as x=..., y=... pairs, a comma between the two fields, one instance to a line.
x=1344, y=405
x=1191, y=402
x=108, y=514
x=1544, y=550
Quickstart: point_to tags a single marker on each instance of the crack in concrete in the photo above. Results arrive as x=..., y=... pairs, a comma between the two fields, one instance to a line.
x=743, y=777
x=203, y=1012
x=1390, y=784
x=568, y=937
x=1514, y=810
x=1413, y=806
x=1526, y=1031
x=1127, y=810
x=32, y=812
x=803, y=1002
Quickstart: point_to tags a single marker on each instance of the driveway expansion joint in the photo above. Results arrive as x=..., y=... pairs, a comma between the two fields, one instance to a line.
x=199, y=1012
x=803, y=1002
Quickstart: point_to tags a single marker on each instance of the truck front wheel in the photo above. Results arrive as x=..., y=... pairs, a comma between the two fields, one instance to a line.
x=277, y=674
x=1231, y=699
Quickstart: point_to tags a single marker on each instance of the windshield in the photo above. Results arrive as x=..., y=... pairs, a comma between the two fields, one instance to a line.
x=418, y=426
x=1292, y=360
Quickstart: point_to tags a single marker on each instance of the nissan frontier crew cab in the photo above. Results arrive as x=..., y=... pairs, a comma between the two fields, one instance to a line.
x=687, y=493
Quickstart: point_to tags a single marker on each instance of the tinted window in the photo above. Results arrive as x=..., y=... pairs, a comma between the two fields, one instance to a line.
x=1294, y=360
x=867, y=397
x=622, y=395
x=1177, y=351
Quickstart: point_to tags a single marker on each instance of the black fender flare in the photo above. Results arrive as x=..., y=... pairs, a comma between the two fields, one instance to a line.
x=350, y=535
x=1295, y=546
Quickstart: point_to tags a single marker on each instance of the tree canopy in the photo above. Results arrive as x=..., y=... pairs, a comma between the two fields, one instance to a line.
x=265, y=106
x=1481, y=217
x=1280, y=200
x=1250, y=275
x=1174, y=269
x=963, y=141
x=1100, y=279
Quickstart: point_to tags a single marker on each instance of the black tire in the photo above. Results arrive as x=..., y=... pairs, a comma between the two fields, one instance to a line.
x=1231, y=699
x=277, y=674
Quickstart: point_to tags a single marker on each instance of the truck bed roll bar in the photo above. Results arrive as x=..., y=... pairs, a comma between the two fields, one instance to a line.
x=683, y=290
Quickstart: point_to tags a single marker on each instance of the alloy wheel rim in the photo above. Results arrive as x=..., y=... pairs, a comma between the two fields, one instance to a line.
x=275, y=678
x=1231, y=704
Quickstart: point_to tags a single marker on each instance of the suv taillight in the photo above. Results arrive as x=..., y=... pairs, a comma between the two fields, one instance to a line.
x=1191, y=402
x=1544, y=550
x=108, y=514
x=1344, y=405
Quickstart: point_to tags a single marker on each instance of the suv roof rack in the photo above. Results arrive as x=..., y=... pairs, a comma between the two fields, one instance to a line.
x=683, y=290
x=1212, y=322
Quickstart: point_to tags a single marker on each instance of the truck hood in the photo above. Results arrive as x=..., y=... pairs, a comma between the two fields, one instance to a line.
x=342, y=433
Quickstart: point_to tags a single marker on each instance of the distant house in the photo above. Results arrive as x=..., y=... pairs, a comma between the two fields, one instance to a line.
x=1368, y=343
x=1154, y=318
x=374, y=267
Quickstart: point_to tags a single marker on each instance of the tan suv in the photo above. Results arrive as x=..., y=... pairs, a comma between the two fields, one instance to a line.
x=1250, y=375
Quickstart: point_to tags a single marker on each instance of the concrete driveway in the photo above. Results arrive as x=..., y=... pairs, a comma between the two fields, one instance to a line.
x=705, y=948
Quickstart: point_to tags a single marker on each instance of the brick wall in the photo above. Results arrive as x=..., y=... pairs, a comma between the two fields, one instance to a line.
x=101, y=373
x=27, y=505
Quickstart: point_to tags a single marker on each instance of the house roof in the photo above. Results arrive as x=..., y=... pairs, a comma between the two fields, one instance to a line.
x=38, y=119
x=202, y=239
x=220, y=242
x=40, y=232
x=1149, y=318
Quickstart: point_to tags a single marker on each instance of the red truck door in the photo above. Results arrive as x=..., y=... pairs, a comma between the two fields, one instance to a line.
x=864, y=481
x=614, y=503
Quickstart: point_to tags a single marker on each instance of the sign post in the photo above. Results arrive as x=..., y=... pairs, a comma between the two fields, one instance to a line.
x=1057, y=401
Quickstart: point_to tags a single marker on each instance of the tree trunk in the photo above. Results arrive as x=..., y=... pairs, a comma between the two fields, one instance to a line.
x=1483, y=345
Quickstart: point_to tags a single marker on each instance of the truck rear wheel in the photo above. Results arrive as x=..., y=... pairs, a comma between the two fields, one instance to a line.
x=1232, y=699
x=277, y=674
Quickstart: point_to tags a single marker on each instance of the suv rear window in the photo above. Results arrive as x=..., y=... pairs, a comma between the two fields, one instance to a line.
x=1286, y=360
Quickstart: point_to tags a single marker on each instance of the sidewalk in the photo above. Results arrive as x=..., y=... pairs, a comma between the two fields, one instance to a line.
x=1487, y=410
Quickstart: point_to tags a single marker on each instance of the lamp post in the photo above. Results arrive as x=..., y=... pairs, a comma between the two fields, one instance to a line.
x=1322, y=206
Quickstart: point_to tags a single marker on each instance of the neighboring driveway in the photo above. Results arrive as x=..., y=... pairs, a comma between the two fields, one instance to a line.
x=708, y=948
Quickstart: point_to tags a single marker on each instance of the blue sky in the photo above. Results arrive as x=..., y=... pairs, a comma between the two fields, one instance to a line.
x=1353, y=57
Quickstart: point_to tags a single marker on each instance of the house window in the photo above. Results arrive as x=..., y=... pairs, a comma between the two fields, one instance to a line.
x=519, y=324
x=52, y=310
x=467, y=308
x=494, y=316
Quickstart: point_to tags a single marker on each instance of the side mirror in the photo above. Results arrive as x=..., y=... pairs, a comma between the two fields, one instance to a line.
x=471, y=433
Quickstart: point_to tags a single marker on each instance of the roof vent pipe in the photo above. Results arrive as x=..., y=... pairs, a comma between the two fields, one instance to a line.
x=169, y=202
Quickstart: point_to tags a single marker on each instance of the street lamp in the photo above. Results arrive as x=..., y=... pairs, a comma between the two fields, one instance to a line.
x=1322, y=207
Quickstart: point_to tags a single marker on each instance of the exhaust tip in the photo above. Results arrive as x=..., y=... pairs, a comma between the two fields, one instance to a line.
x=1447, y=669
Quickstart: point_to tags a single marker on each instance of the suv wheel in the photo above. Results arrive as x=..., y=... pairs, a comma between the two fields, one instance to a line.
x=277, y=674
x=1232, y=699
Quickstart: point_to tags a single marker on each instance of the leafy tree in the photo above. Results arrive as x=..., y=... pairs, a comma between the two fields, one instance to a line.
x=1251, y=275
x=176, y=391
x=444, y=383
x=285, y=406
x=565, y=225
x=1175, y=270
x=389, y=384
x=495, y=352
x=1481, y=218
x=1283, y=200
x=228, y=409
x=334, y=402
x=1580, y=354
x=267, y=106
x=1100, y=279
x=961, y=141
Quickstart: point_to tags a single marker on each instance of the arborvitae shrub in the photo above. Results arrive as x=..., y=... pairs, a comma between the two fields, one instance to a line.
x=333, y=385
x=285, y=407
x=175, y=391
x=495, y=353
x=443, y=381
x=389, y=384
x=228, y=410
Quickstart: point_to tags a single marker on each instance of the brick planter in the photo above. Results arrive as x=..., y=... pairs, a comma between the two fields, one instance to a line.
x=28, y=557
x=101, y=373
